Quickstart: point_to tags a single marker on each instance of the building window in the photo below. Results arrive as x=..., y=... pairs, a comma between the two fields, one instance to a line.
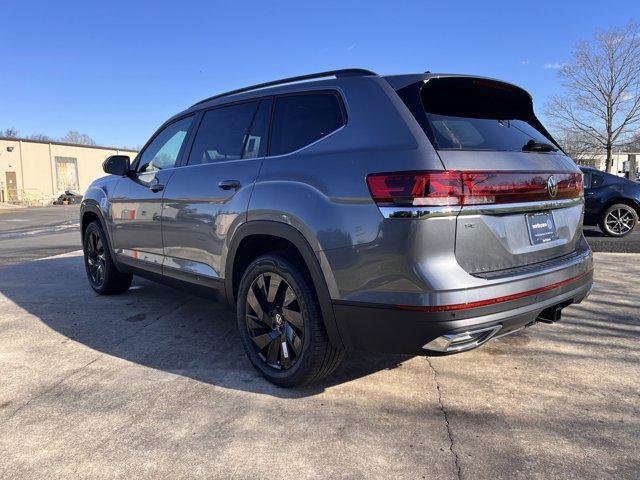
x=67, y=173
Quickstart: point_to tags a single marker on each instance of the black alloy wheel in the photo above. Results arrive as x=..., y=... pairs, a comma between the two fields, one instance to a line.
x=274, y=321
x=281, y=324
x=104, y=277
x=96, y=259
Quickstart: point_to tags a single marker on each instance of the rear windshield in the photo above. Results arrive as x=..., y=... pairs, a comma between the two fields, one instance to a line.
x=475, y=114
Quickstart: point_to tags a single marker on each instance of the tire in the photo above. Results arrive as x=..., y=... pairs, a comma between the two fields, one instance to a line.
x=103, y=275
x=292, y=349
x=618, y=220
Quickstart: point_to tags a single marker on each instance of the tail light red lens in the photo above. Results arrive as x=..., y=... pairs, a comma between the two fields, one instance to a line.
x=451, y=188
x=420, y=188
x=514, y=187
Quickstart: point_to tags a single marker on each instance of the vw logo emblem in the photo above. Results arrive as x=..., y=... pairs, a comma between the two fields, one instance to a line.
x=552, y=186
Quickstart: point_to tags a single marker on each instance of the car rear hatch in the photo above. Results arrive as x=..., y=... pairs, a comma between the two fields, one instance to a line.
x=521, y=197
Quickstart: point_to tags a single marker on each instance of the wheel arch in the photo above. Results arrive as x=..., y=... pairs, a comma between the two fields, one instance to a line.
x=90, y=212
x=280, y=233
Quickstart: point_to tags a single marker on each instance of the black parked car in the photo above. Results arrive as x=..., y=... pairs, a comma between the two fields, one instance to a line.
x=611, y=202
x=68, y=198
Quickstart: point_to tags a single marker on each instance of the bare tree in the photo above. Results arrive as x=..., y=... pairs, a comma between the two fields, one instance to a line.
x=78, y=138
x=634, y=143
x=40, y=136
x=9, y=133
x=577, y=145
x=602, y=101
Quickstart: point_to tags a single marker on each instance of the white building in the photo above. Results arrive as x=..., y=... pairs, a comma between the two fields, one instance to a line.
x=621, y=161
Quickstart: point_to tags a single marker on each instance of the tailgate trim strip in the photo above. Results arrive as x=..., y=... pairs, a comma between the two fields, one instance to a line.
x=423, y=212
x=506, y=208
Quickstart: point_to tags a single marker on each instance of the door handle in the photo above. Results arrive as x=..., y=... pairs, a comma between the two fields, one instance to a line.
x=156, y=187
x=229, y=184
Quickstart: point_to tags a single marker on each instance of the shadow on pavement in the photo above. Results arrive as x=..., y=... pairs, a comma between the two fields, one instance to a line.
x=595, y=233
x=156, y=326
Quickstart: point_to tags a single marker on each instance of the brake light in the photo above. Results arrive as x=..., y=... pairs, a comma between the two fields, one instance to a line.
x=451, y=188
x=419, y=188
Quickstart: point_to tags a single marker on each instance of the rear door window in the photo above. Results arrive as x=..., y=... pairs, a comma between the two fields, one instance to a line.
x=301, y=119
x=222, y=133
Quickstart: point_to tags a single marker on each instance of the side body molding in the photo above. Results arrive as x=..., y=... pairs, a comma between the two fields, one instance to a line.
x=287, y=232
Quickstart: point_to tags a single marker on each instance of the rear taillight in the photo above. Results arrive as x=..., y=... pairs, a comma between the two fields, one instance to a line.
x=450, y=188
x=419, y=188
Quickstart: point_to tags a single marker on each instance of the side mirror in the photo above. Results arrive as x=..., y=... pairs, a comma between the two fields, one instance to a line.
x=117, y=165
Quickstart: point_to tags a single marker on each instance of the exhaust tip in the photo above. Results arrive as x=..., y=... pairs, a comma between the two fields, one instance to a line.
x=459, y=342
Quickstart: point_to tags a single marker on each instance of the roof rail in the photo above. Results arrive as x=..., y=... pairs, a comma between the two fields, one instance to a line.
x=347, y=72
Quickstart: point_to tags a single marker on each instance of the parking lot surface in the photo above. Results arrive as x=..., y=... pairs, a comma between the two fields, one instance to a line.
x=599, y=242
x=154, y=383
x=30, y=233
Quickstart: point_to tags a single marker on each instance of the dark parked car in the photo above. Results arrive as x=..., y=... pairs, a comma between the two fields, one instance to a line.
x=68, y=198
x=611, y=202
x=420, y=214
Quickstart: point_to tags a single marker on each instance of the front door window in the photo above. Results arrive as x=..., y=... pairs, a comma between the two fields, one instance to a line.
x=164, y=150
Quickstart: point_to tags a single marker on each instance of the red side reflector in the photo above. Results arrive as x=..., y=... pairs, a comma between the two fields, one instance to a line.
x=450, y=187
x=491, y=301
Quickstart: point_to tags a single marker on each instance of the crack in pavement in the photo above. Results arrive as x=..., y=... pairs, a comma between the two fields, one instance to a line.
x=446, y=419
x=44, y=392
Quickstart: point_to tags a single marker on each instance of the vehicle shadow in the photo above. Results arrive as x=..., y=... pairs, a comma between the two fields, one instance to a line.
x=157, y=327
x=593, y=232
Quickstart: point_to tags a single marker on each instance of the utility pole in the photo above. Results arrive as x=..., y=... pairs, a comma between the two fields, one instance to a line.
x=633, y=169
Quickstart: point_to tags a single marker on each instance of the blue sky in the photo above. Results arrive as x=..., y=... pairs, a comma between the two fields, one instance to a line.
x=116, y=70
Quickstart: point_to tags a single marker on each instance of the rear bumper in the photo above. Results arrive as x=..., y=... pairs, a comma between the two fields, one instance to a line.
x=387, y=328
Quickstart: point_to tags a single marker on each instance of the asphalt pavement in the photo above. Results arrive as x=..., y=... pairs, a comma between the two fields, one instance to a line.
x=154, y=384
x=599, y=242
x=37, y=232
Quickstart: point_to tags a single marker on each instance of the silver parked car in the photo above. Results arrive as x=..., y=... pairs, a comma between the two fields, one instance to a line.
x=419, y=214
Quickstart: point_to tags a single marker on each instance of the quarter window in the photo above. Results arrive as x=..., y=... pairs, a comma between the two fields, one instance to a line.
x=222, y=133
x=256, y=142
x=301, y=119
x=165, y=148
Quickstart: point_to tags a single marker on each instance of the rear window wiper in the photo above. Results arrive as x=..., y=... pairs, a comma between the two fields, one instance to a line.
x=533, y=146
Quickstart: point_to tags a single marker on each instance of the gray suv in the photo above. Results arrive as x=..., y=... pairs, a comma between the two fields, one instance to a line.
x=417, y=214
